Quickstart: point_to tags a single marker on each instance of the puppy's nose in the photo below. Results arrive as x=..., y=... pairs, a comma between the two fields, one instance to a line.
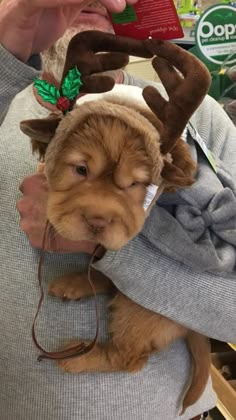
x=98, y=223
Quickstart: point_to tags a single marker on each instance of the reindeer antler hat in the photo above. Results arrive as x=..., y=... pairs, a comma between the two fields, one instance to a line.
x=81, y=76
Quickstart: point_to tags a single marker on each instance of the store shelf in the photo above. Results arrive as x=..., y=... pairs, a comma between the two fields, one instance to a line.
x=142, y=68
x=233, y=346
x=224, y=411
x=226, y=393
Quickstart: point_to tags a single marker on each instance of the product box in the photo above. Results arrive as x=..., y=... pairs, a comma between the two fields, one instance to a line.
x=189, y=12
x=148, y=19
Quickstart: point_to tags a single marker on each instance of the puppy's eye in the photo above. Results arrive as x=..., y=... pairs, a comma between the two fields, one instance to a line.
x=134, y=184
x=81, y=170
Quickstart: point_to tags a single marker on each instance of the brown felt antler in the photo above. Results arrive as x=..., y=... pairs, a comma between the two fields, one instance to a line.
x=186, y=90
x=82, y=51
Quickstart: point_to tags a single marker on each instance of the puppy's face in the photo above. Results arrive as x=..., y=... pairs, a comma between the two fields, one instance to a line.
x=98, y=179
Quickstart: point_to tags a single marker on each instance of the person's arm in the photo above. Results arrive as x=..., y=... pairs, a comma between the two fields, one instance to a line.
x=28, y=27
x=204, y=302
x=15, y=76
x=219, y=132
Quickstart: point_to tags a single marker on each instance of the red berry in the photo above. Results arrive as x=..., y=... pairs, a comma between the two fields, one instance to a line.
x=63, y=103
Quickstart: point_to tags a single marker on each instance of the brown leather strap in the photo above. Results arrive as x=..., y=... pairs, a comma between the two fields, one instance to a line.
x=82, y=348
x=74, y=351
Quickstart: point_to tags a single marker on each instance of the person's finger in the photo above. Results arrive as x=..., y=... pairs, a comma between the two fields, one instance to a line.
x=46, y=4
x=33, y=183
x=40, y=168
x=20, y=206
x=25, y=182
x=111, y=5
x=21, y=187
x=117, y=5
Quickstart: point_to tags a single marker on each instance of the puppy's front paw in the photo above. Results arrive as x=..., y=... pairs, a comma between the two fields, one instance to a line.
x=71, y=365
x=75, y=364
x=69, y=286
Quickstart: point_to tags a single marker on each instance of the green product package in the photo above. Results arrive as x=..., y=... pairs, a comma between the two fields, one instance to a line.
x=215, y=38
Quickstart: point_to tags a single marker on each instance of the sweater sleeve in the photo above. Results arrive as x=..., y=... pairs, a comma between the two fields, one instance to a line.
x=15, y=76
x=202, y=301
x=218, y=131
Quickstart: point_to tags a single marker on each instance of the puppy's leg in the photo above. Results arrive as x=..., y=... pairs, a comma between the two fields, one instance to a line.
x=136, y=333
x=76, y=285
x=102, y=358
x=140, y=331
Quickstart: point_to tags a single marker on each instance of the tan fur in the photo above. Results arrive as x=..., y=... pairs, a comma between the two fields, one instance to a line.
x=116, y=158
x=120, y=147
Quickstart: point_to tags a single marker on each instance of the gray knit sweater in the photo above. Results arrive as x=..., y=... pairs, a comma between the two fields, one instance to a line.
x=148, y=273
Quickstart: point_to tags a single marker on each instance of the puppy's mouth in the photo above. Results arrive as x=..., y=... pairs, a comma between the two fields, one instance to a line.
x=93, y=233
x=109, y=222
x=110, y=234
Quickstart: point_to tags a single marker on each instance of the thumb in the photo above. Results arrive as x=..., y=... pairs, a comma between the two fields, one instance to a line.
x=111, y=5
x=116, y=5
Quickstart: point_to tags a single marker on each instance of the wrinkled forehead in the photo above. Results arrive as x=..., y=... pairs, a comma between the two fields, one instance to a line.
x=108, y=141
x=113, y=131
x=109, y=148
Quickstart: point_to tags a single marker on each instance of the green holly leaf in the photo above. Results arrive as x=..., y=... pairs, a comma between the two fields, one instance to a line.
x=71, y=84
x=48, y=92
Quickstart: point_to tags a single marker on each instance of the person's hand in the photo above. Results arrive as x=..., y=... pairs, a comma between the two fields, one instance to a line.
x=32, y=208
x=30, y=26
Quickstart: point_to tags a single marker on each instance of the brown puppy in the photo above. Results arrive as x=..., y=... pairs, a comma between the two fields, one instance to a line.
x=100, y=160
x=98, y=168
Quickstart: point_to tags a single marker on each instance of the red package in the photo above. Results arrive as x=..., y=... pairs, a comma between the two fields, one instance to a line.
x=148, y=19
